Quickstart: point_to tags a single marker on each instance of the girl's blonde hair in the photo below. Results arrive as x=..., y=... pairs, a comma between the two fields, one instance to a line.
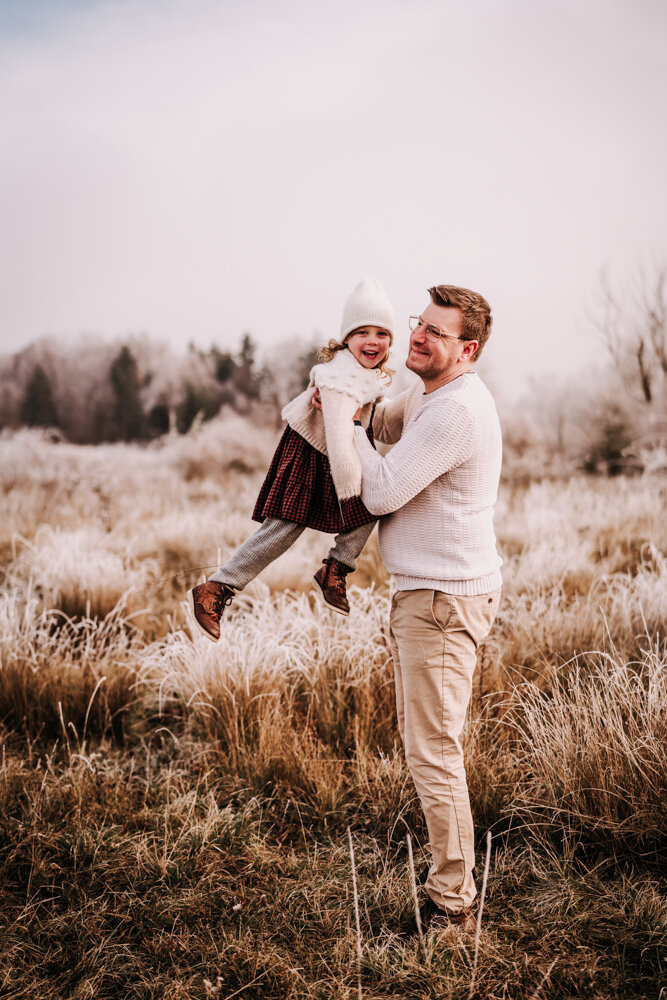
x=334, y=346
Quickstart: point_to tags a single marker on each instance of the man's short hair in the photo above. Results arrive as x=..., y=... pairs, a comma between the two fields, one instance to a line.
x=475, y=312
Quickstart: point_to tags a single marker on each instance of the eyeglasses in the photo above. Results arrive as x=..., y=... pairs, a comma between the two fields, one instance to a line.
x=433, y=333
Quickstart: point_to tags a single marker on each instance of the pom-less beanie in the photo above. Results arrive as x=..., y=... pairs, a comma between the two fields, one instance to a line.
x=367, y=305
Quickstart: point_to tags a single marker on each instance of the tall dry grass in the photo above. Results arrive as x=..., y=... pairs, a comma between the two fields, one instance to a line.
x=62, y=678
x=585, y=573
x=152, y=782
x=594, y=755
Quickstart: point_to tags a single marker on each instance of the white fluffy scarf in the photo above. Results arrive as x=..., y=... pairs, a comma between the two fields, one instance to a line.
x=345, y=374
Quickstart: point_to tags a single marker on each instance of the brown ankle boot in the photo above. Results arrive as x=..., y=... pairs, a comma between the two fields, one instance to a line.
x=208, y=603
x=331, y=581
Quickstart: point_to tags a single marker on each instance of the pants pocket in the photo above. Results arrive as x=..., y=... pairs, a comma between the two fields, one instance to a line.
x=442, y=609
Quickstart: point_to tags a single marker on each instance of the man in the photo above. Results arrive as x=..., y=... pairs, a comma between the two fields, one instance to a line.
x=435, y=492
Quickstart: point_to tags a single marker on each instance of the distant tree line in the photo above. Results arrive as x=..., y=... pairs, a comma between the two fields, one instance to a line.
x=94, y=392
x=611, y=420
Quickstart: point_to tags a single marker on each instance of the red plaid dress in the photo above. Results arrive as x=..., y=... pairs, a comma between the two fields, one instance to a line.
x=299, y=487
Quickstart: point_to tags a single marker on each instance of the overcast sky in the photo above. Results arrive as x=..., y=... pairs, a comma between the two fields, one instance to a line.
x=197, y=168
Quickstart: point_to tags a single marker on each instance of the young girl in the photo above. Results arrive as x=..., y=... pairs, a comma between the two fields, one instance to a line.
x=314, y=480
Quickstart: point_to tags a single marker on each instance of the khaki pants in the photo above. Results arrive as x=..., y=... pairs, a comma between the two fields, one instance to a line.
x=434, y=638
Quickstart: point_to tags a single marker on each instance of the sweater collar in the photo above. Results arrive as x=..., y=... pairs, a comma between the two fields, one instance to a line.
x=448, y=387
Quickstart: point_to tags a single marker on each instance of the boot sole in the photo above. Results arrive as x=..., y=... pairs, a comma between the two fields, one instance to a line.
x=332, y=607
x=193, y=620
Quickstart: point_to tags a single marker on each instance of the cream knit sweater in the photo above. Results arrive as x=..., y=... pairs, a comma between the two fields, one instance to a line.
x=345, y=385
x=436, y=488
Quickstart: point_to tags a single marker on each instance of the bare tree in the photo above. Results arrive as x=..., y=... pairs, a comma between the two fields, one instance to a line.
x=633, y=323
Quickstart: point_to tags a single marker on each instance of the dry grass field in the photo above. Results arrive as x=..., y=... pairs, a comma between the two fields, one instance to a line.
x=174, y=813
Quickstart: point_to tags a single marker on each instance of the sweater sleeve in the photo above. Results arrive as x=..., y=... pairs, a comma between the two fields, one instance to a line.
x=338, y=409
x=437, y=440
x=389, y=418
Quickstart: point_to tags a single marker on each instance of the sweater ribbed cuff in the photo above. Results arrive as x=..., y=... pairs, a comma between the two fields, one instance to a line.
x=461, y=588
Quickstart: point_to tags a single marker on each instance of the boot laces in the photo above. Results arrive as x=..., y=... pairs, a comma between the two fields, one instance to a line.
x=221, y=600
x=336, y=570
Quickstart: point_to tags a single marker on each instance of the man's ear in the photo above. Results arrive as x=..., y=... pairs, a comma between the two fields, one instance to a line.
x=468, y=350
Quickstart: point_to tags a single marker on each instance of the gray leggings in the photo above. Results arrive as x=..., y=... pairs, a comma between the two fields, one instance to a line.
x=275, y=537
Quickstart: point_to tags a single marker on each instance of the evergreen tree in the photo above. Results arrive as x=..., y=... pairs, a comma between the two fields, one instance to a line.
x=128, y=414
x=37, y=407
x=246, y=378
x=224, y=365
x=306, y=361
x=158, y=420
x=196, y=400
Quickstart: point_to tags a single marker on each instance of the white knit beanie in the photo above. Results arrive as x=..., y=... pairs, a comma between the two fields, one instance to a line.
x=368, y=305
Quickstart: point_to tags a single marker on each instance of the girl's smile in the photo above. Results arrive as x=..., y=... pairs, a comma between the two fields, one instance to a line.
x=369, y=345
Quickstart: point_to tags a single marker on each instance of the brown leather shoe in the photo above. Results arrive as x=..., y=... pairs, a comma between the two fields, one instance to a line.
x=331, y=581
x=434, y=918
x=422, y=878
x=208, y=603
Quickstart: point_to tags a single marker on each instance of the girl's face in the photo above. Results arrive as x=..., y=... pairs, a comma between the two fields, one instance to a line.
x=369, y=345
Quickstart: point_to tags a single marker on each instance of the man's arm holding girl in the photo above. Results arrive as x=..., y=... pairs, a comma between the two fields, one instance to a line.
x=389, y=418
x=437, y=440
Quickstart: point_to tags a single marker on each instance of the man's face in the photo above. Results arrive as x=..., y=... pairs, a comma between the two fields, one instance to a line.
x=432, y=360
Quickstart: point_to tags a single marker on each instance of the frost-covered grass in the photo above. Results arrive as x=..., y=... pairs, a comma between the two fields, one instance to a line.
x=174, y=812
